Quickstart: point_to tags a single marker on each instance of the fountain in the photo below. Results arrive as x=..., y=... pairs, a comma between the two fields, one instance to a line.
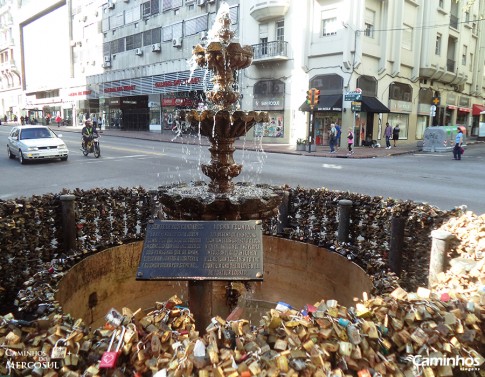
x=221, y=199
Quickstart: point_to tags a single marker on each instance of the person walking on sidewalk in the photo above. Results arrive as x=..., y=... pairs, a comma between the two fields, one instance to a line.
x=339, y=135
x=395, y=134
x=388, y=135
x=350, y=142
x=458, y=144
x=332, y=137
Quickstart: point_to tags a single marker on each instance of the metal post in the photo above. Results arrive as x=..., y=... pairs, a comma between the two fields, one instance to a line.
x=439, y=251
x=283, y=213
x=311, y=129
x=68, y=222
x=396, y=245
x=344, y=208
x=153, y=203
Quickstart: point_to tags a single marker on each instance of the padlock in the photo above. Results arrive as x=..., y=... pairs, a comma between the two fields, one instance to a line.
x=130, y=333
x=109, y=358
x=59, y=352
x=72, y=359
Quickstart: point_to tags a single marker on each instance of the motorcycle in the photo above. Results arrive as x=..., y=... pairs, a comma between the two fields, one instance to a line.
x=92, y=146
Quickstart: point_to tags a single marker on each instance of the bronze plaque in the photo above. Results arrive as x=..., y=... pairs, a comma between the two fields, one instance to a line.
x=202, y=250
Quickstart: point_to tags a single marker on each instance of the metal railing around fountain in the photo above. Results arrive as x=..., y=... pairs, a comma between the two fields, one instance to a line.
x=33, y=231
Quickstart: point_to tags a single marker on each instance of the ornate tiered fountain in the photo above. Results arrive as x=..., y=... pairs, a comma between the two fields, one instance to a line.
x=222, y=124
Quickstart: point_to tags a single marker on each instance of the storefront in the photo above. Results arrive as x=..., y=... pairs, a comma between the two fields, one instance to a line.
x=423, y=119
x=401, y=106
x=476, y=111
x=463, y=116
x=268, y=95
x=329, y=107
x=449, y=116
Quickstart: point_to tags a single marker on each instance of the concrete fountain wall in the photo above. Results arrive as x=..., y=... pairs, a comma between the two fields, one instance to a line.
x=294, y=272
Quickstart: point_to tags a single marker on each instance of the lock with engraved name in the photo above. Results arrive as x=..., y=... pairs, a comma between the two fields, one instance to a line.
x=59, y=352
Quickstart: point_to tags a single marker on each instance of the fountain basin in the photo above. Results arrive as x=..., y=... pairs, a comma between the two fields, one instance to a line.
x=294, y=272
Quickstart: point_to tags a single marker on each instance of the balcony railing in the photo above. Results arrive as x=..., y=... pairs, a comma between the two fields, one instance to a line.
x=450, y=65
x=277, y=50
x=263, y=10
x=454, y=21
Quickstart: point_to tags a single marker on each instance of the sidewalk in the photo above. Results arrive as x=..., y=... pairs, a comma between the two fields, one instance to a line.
x=321, y=151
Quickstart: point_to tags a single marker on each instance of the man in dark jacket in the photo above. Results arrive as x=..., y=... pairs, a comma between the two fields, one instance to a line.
x=88, y=133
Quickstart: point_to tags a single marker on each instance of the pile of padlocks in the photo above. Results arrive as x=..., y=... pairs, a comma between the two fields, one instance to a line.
x=401, y=334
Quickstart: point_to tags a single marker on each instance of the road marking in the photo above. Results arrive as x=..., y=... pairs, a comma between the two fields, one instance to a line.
x=331, y=166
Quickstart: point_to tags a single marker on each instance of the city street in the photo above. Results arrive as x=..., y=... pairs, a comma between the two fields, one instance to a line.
x=426, y=177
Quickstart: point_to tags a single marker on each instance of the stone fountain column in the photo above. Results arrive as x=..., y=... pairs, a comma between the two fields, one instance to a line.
x=221, y=199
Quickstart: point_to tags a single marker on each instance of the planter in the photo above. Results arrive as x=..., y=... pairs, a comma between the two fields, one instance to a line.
x=300, y=147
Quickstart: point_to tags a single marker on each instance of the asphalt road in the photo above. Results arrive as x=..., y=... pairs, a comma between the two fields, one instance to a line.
x=425, y=177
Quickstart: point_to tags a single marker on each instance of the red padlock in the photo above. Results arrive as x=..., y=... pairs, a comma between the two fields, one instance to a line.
x=109, y=358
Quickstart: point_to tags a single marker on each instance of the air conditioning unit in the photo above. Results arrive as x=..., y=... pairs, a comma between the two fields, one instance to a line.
x=200, y=2
x=177, y=42
x=126, y=1
x=111, y=5
x=211, y=1
x=203, y=35
x=106, y=65
x=156, y=47
x=138, y=51
x=107, y=58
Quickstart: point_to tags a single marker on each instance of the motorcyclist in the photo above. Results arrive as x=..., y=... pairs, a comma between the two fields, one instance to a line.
x=88, y=133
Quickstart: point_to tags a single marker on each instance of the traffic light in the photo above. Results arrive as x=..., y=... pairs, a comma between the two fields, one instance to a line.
x=309, y=97
x=316, y=96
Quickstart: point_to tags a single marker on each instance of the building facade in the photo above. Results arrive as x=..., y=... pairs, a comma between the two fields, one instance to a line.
x=127, y=63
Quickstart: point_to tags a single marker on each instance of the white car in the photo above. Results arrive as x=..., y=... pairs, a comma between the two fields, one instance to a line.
x=35, y=143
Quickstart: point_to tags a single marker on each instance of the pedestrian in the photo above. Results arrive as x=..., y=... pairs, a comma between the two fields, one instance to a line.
x=388, y=135
x=350, y=142
x=332, y=137
x=458, y=144
x=339, y=134
x=58, y=121
x=395, y=134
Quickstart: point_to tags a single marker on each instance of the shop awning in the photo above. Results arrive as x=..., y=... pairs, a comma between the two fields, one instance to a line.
x=329, y=102
x=373, y=105
x=477, y=109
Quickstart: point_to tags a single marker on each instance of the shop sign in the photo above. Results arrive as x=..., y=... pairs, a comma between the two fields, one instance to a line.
x=177, y=102
x=113, y=101
x=401, y=106
x=80, y=93
x=123, y=88
x=268, y=103
x=128, y=102
x=451, y=99
x=163, y=84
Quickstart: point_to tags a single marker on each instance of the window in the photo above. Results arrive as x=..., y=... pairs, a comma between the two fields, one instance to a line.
x=369, y=23
x=280, y=31
x=471, y=62
x=132, y=15
x=402, y=120
x=437, y=49
x=151, y=36
x=463, y=55
x=407, y=37
x=329, y=26
x=441, y=3
x=264, y=46
x=149, y=8
x=196, y=25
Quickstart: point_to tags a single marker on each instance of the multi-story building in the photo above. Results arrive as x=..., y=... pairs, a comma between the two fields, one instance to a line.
x=10, y=69
x=406, y=56
x=128, y=63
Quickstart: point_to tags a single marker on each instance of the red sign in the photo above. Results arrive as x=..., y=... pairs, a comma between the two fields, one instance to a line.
x=120, y=88
x=163, y=84
x=80, y=93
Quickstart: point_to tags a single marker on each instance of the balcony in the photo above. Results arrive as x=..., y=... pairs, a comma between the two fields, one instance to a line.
x=270, y=51
x=262, y=10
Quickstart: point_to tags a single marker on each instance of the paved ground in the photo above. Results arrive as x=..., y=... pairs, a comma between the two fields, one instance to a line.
x=167, y=136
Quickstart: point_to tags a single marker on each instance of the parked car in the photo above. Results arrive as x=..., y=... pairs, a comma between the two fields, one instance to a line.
x=35, y=143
